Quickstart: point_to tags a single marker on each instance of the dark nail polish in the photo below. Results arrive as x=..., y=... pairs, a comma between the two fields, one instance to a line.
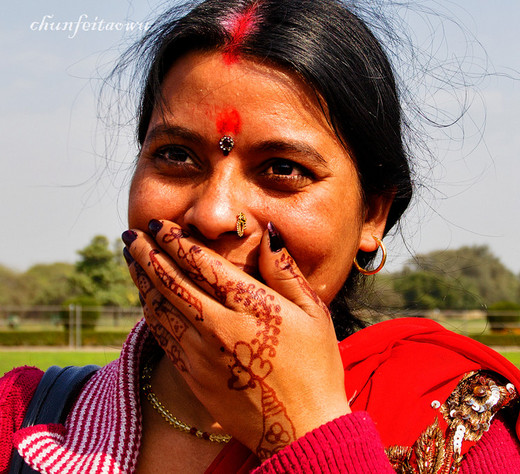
x=276, y=242
x=128, y=257
x=155, y=226
x=128, y=236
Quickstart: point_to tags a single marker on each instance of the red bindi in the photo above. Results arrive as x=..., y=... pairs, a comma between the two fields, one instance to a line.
x=228, y=122
x=228, y=125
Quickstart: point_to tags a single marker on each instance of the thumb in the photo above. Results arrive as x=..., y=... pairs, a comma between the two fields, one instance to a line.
x=281, y=273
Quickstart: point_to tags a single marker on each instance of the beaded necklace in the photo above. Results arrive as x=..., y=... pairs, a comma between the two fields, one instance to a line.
x=171, y=419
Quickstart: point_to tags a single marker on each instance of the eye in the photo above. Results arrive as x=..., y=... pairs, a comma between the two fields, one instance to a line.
x=286, y=175
x=285, y=168
x=173, y=154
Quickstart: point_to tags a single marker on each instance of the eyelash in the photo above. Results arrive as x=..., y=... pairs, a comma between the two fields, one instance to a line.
x=162, y=152
x=295, y=167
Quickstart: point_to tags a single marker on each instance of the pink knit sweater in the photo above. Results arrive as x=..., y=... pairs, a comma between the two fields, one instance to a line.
x=103, y=430
x=16, y=390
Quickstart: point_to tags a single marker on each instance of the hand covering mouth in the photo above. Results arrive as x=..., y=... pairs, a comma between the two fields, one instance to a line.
x=249, y=269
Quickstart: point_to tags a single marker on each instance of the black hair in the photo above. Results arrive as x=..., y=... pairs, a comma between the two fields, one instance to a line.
x=332, y=50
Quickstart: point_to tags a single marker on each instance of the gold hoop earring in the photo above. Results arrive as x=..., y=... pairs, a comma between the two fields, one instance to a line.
x=364, y=271
x=241, y=224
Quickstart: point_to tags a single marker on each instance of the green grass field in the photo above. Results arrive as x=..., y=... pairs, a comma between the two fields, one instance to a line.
x=514, y=357
x=44, y=359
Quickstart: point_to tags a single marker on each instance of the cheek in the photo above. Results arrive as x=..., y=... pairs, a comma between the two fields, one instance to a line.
x=325, y=245
x=139, y=205
x=150, y=199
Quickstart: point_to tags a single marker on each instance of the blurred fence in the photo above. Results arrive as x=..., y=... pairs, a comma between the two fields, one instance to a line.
x=74, y=319
x=467, y=322
x=46, y=317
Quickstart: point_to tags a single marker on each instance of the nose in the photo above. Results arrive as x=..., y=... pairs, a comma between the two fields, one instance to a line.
x=217, y=203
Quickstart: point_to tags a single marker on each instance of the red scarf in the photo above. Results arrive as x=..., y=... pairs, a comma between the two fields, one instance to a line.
x=397, y=368
x=394, y=370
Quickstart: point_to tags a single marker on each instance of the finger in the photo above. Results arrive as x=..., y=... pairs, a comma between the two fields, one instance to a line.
x=171, y=347
x=281, y=273
x=159, y=271
x=227, y=283
x=152, y=299
x=170, y=317
x=138, y=275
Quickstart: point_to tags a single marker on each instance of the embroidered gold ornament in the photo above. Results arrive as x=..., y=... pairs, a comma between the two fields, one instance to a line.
x=464, y=417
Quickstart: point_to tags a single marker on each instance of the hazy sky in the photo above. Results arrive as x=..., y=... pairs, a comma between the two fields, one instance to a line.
x=56, y=194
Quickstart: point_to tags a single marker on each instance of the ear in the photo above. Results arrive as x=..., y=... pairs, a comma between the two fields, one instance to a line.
x=378, y=207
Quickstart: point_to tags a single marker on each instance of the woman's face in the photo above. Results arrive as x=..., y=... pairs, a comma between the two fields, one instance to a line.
x=286, y=166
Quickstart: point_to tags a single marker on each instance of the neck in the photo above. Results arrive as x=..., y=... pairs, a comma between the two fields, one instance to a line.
x=176, y=395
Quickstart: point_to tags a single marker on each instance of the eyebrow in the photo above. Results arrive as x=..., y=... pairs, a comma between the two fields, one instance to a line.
x=281, y=146
x=266, y=146
x=172, y=131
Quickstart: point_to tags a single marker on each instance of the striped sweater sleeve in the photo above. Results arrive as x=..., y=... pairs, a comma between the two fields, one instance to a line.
x=16, y=390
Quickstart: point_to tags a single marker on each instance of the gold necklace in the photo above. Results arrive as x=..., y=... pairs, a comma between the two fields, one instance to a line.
x=172, y=420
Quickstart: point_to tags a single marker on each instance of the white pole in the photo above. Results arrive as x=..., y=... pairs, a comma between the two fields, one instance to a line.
x=71, y=326
x=78, y=326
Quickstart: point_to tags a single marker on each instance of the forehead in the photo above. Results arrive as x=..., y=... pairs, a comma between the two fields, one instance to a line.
x=212, y=71
x=207, y=83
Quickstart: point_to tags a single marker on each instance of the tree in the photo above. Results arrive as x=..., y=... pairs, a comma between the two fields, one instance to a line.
x=13, y=290
x=468, y=277
x=49, y=283
x=428, y=290
x=381, y=293
x=102, y=275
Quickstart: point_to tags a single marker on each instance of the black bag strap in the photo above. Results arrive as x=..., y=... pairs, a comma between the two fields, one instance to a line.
x=51, y=402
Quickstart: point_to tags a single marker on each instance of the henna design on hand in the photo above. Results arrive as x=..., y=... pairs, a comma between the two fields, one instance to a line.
x=278, y=430
x=165, y=341
x=287, y=263
x=169, y=282
x=168, y=315
x=175, y=233
x=252, y=365
x=251, y=360
x=142, y=281
x=277, y=433
x=191, y=257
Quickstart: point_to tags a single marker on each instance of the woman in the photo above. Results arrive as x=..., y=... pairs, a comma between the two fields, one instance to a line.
x=271, y=165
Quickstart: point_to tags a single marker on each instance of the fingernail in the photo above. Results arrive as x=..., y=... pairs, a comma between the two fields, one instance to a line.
x=155, y=226
x=276, y=242
x=128, y=257
x=128, y=236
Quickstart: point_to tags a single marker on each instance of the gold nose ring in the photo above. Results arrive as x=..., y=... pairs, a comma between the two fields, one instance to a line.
x=241, y=224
